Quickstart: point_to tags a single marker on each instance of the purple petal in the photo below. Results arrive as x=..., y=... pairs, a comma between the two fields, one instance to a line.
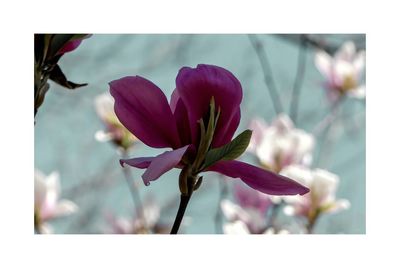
x=163, y=163
x=139, y=162
x=174, y=99
x=181, y=117
x=144, y=110
x=70, y=46
x=228, y=129
x=260, y=179
x=197, y=86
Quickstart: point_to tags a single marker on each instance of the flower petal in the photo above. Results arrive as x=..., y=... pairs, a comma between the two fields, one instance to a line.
x=179, y=110
x=258, y=126
x=40, y=189
x=64, y=208
x=228, y=130
x=139, y=162
x=163, y=163
x=358, y=93
x=197, y=86
x=236, y=228
x=346, y=51
x=104, y=105
x=70, y=46
x=262, y=180
x=143, y=109
x=359, y=62
x=324, y=62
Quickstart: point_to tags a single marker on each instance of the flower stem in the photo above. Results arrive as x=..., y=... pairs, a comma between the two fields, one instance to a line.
x=181, y=211
x=311, y=222
x=273, y=214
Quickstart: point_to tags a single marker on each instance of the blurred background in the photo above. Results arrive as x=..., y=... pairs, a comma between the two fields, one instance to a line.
x=90, y=174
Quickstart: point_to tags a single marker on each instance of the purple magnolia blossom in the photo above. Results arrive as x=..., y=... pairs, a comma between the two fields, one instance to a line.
x=144, y=110
x=70, y=46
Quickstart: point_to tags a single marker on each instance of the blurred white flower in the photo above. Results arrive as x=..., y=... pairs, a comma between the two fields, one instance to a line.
x=115, y=131
x=342, y=71
x=238, y=228
x=149, y=223
x=250, y=217
x=47, y=205
x=280, y=144
x=322, y=195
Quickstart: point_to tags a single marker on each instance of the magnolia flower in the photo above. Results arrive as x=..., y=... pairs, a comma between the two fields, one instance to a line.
x=49, y=49
x=249, y=215
x=322, y=195
x=148, y=223
x=115, y=131
x=250, y=218
x=198, y=124
x=245, y=221
x=70, y=46
x=240, y=228
x=343, y=71
x=280, y=144
x=47, y=205
x=250, y=199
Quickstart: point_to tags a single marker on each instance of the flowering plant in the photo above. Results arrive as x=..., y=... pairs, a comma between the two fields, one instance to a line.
x=47, y=205
x=115, y=131
x=280, y=144
x=49, y=48
x=342, y=71
x=322, y=196
x=198, y=124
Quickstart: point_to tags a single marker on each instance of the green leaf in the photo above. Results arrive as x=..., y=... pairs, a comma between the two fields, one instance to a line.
x=58, y=76
x=229, y=151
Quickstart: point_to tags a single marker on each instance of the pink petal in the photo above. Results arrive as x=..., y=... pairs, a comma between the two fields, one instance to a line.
x=258, y=126
x=163, y=163
x=144, y=110
x=262, y=180
x=197, y=86
x=139, y=162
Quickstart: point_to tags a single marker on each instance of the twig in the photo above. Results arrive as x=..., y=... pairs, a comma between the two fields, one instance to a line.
x=328, y=119
x=268, y=78
x=324, y=129
x=320, y=43
x=298, y=82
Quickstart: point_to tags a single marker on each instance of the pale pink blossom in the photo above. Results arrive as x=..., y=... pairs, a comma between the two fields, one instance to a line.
x=47, y=203
x=144, y=224
x=343, y=71
x=240, y=228
x=280, y=144
x=322, y=196
x=114, y=131
x=249, y=219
